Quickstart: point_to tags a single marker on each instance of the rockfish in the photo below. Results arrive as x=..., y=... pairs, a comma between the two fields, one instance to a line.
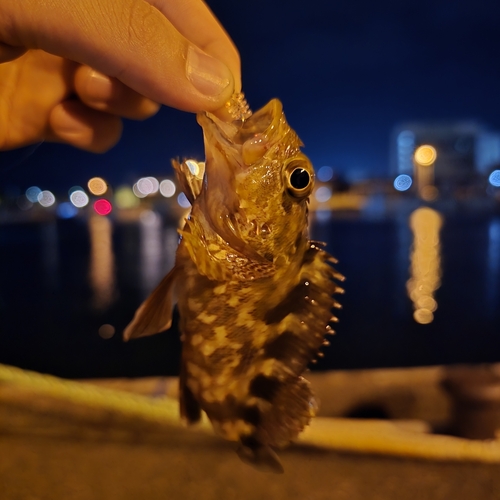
x=254, y=294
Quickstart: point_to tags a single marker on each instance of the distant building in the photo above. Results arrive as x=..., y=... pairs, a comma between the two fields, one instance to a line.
x=465, y=150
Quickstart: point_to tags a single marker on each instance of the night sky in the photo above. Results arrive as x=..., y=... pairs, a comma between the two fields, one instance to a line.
x=346, y=71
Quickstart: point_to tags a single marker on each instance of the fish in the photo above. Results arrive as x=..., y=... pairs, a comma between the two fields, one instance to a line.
x=254, y=294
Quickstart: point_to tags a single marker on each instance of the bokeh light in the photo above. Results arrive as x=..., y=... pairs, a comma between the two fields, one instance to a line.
x=125, y=198
x=402, y=182
x=194, y=167
x=24, y=203
x=66, y=210
x=145, y=186
x=97, y=186
x=325, y=174
x=46, y=199
x=494, y=178
x=155, y=183
x=106, y=331
x=167, y=188
x=79, y=198
x=32, y=193
x=102, y=207
x=137, y=192
x=323, y=194
x=425, y=155
x=183, y=201
x=425, y=265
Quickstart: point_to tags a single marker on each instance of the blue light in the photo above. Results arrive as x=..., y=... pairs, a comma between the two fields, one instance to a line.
x=495, y=178
x=402, y=182
x=325, y=174
x=32, y=193
x=66, y=210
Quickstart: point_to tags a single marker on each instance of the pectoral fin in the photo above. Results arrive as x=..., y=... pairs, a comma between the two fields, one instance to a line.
x=155, y=313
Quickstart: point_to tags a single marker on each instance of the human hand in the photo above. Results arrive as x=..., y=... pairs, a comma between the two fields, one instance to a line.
x=70, y=69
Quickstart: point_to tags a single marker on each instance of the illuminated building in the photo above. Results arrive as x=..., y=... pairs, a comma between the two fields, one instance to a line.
x=466, y=151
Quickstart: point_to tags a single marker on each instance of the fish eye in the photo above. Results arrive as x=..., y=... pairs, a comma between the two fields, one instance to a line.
x=299, y=178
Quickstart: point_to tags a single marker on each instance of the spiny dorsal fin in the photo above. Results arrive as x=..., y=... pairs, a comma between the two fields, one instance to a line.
x=190, y=176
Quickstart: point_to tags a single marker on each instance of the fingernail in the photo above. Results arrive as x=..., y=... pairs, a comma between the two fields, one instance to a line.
x=99, y=86
x=208, y=75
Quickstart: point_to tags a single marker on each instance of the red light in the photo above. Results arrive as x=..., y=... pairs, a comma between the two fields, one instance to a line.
x=102, y=207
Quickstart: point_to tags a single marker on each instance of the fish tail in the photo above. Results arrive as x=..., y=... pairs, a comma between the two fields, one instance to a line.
x=260, y=456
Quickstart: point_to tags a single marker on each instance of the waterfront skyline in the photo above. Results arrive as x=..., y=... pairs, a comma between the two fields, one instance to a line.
x=347, y=73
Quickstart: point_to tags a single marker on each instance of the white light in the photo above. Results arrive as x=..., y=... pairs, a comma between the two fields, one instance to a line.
x=402, y=182
x=495, y=178
x=32, y=193
x=79, y=198
x=325, y=174
x=323, y=194
x=138, y=192
x=193, y=166
x=46, y=199
x=183, y=201
x=155, y=184
x=167, y=188
x=145, y=186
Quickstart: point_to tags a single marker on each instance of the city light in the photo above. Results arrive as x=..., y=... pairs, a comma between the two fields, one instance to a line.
x=46, y=199
x=79, y=198
x=145, y=186
x=32, y=193
x=425, y=265
x=125, y=198
x=66, y=210
x=325, y=174
x=494, y=178
x=102, y=207
x=183, y=201
x=323, y=194
x=402, y=182
x=97, y=186
x=137, y=191
x=154, y=183
x=167, y=188
x=24, y=203
x=425, y=155
x=194, y=167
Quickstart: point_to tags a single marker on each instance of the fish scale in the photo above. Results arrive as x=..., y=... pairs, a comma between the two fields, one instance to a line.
x=255, y=295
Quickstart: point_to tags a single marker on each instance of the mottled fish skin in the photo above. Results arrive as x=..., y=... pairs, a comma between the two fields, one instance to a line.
x=254, y=294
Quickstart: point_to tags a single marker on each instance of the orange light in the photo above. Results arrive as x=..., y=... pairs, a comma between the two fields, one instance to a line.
x=425, y=155
x=97, y=186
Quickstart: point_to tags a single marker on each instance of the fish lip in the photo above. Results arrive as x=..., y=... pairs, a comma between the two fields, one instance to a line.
x=265, y=121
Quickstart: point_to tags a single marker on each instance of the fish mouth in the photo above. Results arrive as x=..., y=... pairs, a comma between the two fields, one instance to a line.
x=231, y=148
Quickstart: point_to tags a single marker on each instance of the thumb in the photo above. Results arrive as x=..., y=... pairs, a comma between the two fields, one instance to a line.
x=130, y=40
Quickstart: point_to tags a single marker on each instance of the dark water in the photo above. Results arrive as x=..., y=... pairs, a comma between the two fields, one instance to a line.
x=61, y=280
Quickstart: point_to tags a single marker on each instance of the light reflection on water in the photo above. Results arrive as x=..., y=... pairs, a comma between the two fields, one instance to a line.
x=102, y=262
x=425, y=268
x=77, y=275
